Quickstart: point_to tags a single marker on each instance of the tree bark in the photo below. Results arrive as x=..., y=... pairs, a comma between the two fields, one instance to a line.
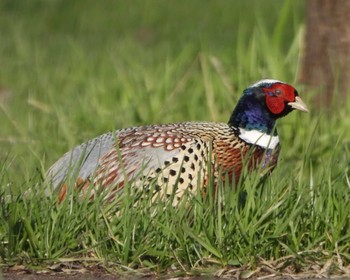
x=326, y=62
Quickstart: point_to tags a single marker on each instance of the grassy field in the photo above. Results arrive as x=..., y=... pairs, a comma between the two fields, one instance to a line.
x=71, y=70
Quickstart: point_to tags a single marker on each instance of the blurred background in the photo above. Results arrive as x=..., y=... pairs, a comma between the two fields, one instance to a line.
x=71, y=70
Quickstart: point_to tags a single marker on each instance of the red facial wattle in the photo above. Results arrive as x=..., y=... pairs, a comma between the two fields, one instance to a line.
x=277, y=96
x=275, y=104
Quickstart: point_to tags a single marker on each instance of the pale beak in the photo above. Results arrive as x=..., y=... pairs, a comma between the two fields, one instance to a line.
x=298, y=104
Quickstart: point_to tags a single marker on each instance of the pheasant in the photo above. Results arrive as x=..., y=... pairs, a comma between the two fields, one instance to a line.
x=175, y=158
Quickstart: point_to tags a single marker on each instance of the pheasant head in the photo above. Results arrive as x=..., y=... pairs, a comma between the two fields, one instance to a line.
x=263, y=103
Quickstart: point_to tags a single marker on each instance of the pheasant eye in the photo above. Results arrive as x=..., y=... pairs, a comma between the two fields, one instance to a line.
x=278, y=92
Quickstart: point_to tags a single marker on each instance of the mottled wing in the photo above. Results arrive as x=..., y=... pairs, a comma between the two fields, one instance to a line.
x=138, y=153
x=159, y=154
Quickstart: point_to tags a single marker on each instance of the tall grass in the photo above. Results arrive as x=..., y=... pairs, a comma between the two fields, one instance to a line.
x=73, y=70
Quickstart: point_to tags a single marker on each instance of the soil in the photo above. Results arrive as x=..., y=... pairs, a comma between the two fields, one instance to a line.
x=87, y=276
x=14, y=276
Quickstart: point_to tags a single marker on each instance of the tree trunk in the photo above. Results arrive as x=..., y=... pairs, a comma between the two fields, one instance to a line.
x=326, y=62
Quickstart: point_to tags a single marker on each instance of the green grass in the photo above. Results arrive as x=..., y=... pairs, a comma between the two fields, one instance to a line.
x=75, y=69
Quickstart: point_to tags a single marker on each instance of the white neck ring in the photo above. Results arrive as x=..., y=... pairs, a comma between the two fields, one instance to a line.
x=259, y=138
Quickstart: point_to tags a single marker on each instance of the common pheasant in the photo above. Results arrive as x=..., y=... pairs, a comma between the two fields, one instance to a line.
x=178, y=155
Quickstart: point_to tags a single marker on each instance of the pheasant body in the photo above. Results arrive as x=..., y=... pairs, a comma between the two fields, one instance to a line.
x=174, y=158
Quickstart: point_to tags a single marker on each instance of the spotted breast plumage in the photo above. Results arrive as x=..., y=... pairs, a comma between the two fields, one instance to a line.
x=175, y=158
